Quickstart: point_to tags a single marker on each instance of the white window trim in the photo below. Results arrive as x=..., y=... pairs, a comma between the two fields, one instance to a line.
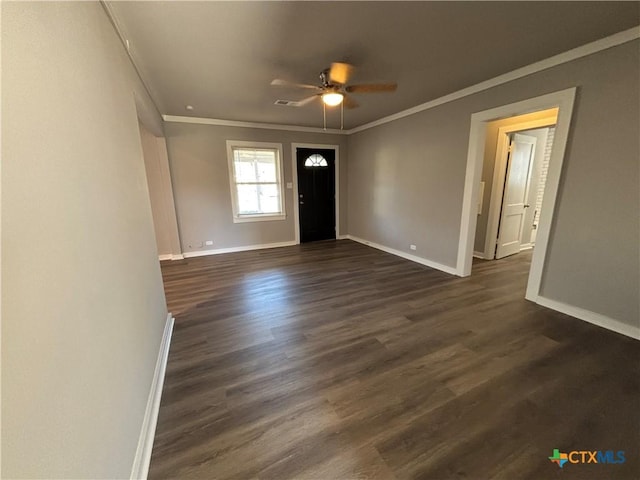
x=264, y=217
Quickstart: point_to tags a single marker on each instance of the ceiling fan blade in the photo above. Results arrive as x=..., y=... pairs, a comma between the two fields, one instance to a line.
x=372, y=88
x=350, y=103
x=284, y=83
x=305, y=101
x=340, y=72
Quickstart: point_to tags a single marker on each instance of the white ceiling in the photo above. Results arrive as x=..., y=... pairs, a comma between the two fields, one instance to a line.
x=221, y=56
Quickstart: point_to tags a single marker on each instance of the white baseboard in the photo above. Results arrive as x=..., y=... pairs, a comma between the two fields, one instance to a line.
x=591, y=317
x=342, y=237
x=526, y=246
x=141, y=461
x=202, y=253
x=170, y=256
x=408, y=256
x=478, y=254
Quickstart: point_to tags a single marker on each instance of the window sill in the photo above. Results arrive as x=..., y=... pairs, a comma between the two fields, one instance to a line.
x=258, y=218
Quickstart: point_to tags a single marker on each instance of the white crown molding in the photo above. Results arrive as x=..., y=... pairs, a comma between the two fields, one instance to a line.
x=603, y=321
x=234, y=123
x=117, y=27
x=568, y=56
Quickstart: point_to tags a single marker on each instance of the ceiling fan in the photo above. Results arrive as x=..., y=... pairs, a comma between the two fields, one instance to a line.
x=333, y=88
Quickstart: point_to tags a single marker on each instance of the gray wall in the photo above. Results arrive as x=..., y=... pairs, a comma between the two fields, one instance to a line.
x=200, y=175
x=83, y=307
x=406, y=181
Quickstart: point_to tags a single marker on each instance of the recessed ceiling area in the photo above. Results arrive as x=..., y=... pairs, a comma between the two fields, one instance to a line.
x=220, y=57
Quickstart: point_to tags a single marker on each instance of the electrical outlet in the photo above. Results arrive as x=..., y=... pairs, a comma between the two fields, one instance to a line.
x=412, y=247
x=208, y=243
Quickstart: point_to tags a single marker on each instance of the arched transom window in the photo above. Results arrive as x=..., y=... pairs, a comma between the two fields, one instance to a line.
x=316, y=160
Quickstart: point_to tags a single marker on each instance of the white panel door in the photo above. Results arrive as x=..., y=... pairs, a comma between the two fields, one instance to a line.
x=514, y=199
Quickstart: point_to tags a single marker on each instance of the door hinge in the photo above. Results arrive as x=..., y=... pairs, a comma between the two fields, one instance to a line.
x=511, y=147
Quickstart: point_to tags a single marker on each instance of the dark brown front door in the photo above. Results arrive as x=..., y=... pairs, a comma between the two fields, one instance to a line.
x=316, y=194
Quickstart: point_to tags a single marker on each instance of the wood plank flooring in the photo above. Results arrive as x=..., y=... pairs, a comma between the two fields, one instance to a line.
x=333, y=360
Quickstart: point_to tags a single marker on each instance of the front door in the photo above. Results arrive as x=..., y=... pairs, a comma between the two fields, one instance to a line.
x=514, y=200
x=316, y=193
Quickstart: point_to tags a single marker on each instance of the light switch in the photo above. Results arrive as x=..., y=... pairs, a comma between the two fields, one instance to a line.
x=289, y=185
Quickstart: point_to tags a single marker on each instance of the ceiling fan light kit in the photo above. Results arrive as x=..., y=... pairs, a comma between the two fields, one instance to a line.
x=333, y=89
x=332, y=99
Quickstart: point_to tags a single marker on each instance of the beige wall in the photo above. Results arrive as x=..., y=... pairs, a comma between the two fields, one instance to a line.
x=156, y=163
x=406, y=181
x=200, y=175
x=83, y=308
x=488, y=166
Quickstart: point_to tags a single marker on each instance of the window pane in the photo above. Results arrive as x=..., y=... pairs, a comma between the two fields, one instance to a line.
x=269, y=199
x=243, y=164
x=245, y=171
x=316, y=160
x=247, y=199
x=254, y=165
x=256, y=174
x=267, y=169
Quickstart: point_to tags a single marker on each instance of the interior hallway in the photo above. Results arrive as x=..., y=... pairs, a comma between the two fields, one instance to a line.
x=336, y=360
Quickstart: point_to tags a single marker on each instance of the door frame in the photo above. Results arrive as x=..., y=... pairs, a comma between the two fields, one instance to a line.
x=564, y=101
x=296, y=205
x=499, y=174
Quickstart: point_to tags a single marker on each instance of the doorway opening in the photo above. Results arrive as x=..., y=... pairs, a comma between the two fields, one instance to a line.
x=514, y=172
x=562, y=101
x=316, y=187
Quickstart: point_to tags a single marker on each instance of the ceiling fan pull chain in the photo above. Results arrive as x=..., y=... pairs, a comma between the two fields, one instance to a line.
x=324, y=115
x=342, y=116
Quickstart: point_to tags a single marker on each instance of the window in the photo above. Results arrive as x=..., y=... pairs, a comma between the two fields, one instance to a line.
x=255, y=173
x=316, y=160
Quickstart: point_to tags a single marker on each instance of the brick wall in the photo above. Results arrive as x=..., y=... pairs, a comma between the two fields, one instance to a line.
x=543, y=174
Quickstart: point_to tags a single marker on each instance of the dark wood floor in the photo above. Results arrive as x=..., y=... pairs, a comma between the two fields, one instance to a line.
x=336, y=361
